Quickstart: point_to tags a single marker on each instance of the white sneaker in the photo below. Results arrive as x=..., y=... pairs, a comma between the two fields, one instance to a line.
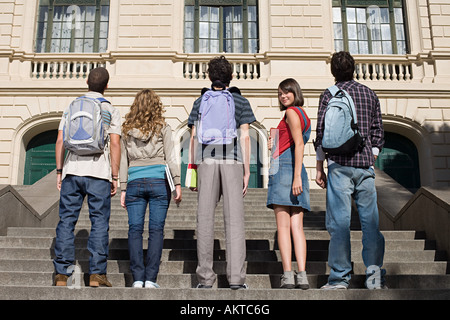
x=239, y=286
x=333, y=286
x=151, y=285
x=138, y=284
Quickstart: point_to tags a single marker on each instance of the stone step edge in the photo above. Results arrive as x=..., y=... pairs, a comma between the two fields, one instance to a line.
x=199, y=297
x=265, y=281
x=313, y=268
x=352, y=232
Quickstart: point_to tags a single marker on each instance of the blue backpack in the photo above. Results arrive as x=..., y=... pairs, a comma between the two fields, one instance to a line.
x=217, y=124
x=84, y=132
x=341, y=135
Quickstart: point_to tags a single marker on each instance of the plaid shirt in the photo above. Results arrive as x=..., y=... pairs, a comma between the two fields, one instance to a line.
x=369, y=123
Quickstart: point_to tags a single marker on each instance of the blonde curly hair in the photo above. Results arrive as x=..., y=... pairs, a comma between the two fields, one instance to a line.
x=146, y=114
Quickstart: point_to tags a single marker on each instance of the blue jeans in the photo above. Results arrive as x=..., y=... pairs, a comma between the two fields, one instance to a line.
x=73, y=191
x=156, y=194
x=343, y=184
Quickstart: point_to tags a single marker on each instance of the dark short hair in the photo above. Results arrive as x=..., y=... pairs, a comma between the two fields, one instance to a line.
x=291, y=85
x=98, y=79
x=220, y=69
x=342, y=66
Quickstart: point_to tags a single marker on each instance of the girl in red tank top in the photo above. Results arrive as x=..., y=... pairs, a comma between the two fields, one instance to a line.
x=288, y=189
x=285, y=140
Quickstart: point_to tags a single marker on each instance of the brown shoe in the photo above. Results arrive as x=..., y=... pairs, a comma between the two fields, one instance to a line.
x=61, y=280
x=97, y=280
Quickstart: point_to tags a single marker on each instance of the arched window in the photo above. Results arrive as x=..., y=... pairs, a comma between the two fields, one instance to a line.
x=72, y=26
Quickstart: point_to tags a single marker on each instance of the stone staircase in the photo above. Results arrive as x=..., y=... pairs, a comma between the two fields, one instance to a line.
x=415, y=270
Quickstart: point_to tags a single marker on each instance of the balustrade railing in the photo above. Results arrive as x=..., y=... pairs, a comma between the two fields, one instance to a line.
x=367, y=68
x=63, y=69
x=241, y=70
x=383, y=71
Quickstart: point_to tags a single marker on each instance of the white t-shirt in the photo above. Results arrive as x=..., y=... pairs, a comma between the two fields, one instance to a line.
x=98, y=166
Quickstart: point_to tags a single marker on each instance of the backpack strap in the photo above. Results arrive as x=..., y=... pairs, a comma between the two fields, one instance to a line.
x=352, y=106
x=234, y=90
x=305, y=121
x=103, y=100
x=230, y=89
x=333, y=90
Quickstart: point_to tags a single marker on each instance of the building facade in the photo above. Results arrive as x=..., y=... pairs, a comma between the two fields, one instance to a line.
x=401, y=49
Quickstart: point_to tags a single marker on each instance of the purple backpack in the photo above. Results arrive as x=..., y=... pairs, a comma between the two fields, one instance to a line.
x=217, y=124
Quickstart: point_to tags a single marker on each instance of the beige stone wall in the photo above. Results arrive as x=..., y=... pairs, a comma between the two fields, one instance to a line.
x=147, y=25
x=439, y=16
x=146, y=50
x=298, y=25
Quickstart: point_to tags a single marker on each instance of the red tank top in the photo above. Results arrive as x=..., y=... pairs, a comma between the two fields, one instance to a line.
x=285, y=140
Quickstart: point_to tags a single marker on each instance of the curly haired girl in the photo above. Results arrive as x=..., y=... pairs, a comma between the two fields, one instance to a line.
x=147, y=147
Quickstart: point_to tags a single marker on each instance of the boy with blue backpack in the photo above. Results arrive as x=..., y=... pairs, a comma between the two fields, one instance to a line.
x=90, y=132
x=220, y=147
x=350, y=135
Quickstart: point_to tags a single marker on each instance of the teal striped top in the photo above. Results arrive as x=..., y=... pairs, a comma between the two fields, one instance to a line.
x=154, y=171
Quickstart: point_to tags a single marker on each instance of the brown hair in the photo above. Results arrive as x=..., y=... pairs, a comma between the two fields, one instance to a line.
x=146, y=114
x=219, y=69
x=291, y=85
x=342, y=66
x=98, y=79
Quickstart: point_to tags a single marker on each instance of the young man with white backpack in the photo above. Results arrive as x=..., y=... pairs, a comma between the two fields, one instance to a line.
x=90, y=132
x=220, y=146
x=350, y=135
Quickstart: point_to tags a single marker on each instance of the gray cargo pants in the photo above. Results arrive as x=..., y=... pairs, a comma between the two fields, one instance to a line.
x=216, y=178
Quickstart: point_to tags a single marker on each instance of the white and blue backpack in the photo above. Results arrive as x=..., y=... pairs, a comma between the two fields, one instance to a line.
x=84, y=128
x=341, y=135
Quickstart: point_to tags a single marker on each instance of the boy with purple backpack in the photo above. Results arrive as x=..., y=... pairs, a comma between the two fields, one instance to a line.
x=220, y=145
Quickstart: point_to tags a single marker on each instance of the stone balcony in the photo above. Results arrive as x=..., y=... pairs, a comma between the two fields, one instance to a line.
x=194, y=66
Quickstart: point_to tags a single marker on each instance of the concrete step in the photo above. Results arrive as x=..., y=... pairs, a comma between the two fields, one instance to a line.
x=219, y=255
x=269, y=220
x=26, y=254
x=178, y=212
x=123, y=220
x=415, y=269
x=180, y=224
x=254, y=281
x=219, y=233
x=122, y=243
x=192, y=209
x=252, y=267
x=217, y=298
x=254, y=197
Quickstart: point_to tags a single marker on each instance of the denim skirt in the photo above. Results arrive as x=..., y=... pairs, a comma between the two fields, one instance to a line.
x=281, y=175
